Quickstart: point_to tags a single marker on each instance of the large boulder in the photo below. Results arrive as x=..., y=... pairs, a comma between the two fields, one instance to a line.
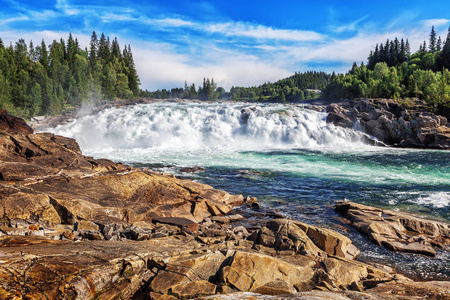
x=301, y=238
x=13, y=124
x=392, y=124
x=257, y=272
x=396, y=231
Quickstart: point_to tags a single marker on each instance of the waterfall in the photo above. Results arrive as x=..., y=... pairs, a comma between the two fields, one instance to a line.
x=189, y=126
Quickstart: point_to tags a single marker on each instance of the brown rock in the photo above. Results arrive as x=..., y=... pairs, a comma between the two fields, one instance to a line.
x=198, y=267
x=277, y=287
x=193, y=289
x=249, y=271
x=344, y=273
x=182, y=222
x=69, y=235
x=63, y=186
x=165, y=280
x=13, y=124
x=414, y=290
x=332, y=242
x=286, y=234
x=396, y=231
x=86, y=225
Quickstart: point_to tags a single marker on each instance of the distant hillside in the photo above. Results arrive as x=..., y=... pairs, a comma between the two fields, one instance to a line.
x=298, y=87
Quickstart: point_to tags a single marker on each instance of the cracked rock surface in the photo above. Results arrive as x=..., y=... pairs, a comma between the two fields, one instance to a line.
x=74, y=227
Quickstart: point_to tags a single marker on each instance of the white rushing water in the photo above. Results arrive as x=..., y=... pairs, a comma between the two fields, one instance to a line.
x=203, y=127
x=235, y=135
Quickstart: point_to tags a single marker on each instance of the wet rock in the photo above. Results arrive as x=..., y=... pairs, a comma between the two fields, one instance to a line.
x=396, y=231
x=283, y=234
x=192, y=169
x=392, y=124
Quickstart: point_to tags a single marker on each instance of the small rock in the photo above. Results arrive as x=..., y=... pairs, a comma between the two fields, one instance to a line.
x=221, y=219
x=90, y=234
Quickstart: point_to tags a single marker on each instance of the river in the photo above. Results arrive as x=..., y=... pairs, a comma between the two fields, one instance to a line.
x=286, y=156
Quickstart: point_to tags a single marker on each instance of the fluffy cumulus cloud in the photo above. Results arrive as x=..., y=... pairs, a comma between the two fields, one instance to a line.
x=161, y=67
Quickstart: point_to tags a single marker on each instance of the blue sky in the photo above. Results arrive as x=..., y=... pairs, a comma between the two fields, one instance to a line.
x=240, y=43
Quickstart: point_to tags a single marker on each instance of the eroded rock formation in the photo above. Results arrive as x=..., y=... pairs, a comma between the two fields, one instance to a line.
x=392, y=123
x=396, y=231
x=74, y=227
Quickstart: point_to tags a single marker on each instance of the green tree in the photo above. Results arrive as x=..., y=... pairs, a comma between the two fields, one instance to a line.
x=433, y=41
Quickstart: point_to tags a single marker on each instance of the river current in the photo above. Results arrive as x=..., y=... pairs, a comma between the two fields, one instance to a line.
x=286, y=156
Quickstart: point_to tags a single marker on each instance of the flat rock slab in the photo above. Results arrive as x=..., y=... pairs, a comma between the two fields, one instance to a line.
x=396, y=231
x=183, y=222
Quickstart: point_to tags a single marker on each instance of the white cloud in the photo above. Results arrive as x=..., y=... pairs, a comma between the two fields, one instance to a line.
x=43, y=14
x=46, y=35
x=15, y=19
x=160, y=67
x=66, y=8
x=113, y=17
x=349, y=27
x=170, y=22
x=239, y=29
x=435, y=22
x=262, y=32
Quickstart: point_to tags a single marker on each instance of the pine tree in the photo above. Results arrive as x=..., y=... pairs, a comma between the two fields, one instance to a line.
x=407, y=50
x=103, y=49
x=439, y=45
x=445, y=54
x=93, y=48
x=32, y=52
x=133, y=79
x=115, y=49
x=433, y=41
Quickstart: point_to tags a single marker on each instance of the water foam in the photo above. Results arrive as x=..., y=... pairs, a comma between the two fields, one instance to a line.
x=200, y=126
x=437, y=200
x=281, y=138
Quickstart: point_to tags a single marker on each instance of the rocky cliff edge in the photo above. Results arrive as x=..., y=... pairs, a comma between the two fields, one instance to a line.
x=75, y=227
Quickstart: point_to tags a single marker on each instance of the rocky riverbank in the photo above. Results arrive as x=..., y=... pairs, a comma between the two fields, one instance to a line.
x=75, y=227
x=393, y=123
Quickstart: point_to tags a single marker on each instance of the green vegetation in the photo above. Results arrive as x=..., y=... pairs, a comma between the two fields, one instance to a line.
x=48, y=79
x=392, y=72
x=299, y=87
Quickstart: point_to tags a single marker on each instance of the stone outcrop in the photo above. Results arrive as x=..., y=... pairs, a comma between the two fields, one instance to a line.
x=392, y=123
x=182, y=266
x=75, y=227
x=396, y=231
x=46, y=181
x=301, y=238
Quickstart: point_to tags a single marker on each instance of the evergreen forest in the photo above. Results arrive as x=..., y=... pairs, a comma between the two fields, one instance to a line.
x=46, y=79
x=393, y=72
x=298, y=87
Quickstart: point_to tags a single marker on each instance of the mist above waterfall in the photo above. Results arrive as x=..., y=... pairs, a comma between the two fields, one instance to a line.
x=199, y=126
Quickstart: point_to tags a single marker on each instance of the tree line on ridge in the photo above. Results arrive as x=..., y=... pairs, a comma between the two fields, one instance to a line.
x=46, y=79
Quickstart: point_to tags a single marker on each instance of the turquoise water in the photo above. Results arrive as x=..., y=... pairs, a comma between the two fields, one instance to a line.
x=286, y=156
